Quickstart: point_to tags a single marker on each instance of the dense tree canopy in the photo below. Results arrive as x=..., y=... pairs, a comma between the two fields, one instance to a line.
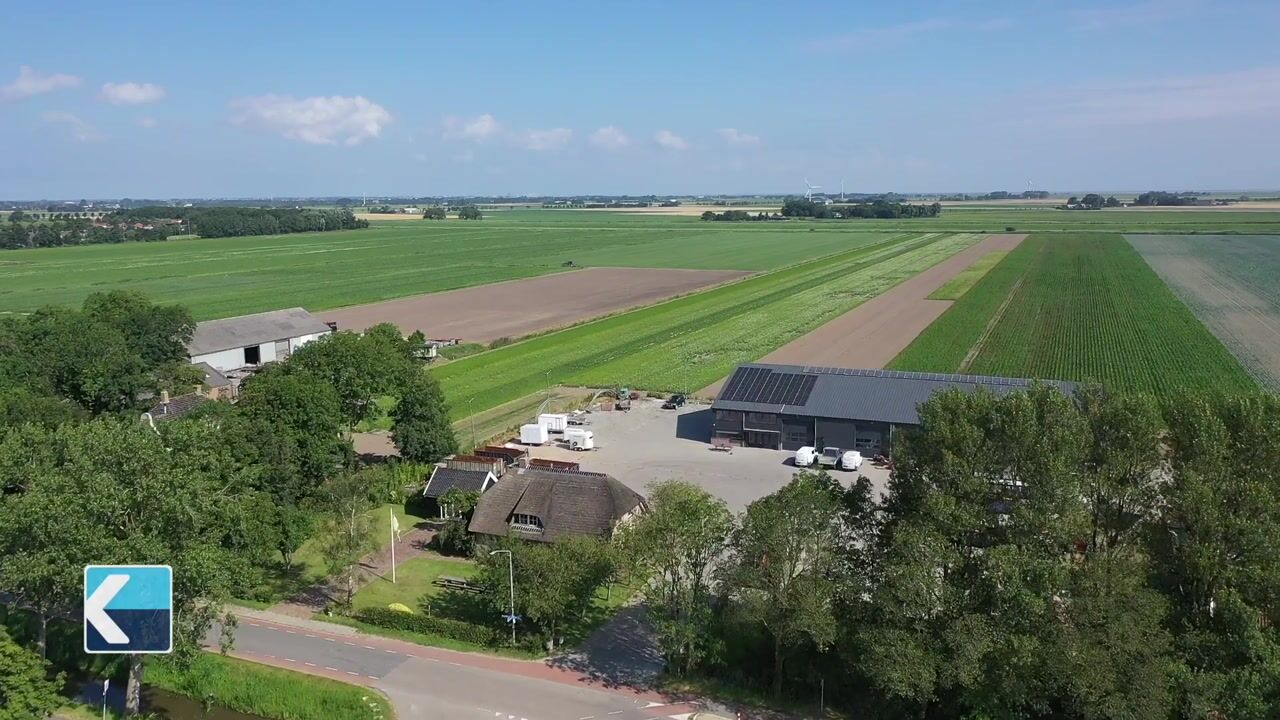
x=237, y=221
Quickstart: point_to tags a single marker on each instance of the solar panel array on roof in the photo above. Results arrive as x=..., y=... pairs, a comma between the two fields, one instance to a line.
x=762, y=385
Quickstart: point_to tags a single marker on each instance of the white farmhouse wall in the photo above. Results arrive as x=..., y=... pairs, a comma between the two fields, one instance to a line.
x=222, y=361
x=233, y=359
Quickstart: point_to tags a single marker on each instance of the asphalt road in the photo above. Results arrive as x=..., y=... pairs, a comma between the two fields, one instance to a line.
x=428, y=683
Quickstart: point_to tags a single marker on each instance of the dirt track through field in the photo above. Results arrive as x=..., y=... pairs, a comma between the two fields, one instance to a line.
x=872, y=334
x=520, y=307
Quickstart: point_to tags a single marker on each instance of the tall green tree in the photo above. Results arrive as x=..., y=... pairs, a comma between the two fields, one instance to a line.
x=421, y=427
x=26, y=690
x=347, y=533
x=1216, y=551
x=555, y=583
x=359, y=367
x=782, y=556
x=676, y=544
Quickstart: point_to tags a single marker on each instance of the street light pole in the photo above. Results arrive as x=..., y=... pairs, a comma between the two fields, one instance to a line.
x=511, y=575
x=473, y=423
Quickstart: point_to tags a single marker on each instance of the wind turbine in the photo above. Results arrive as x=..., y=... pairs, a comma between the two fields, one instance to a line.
x=808, y=193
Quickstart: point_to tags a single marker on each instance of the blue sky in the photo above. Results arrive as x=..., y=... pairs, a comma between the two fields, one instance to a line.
x=235, y=99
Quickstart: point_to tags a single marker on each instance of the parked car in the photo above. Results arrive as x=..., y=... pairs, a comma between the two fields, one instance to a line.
x=851, y=460
x=830, y=457
x=675, y=402
x=806, y=456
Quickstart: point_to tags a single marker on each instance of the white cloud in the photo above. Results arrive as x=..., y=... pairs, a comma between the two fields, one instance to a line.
x=609, y=138
x=734, y=136
x=552, y=139
x=318, y=120
x=670, y=140
x=148, y=122
x=131, y=93
x=80, y=130
x=479, y=128
x=32, y=82
x=1190, y=97
x=874, y=38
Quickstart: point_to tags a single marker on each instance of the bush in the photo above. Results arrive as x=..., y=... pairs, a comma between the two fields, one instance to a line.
x=429, y=625
x=500, y=342
x=1010, y=228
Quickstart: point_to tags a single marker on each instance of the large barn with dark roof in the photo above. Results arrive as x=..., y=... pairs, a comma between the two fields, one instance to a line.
x=786, y=407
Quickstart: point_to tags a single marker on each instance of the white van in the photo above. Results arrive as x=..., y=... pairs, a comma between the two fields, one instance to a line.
x=806, y=456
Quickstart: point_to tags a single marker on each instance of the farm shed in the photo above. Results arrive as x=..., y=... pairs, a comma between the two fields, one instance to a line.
x=546, y=505
x=253, y=340
x=444, y=479
x=786, y=407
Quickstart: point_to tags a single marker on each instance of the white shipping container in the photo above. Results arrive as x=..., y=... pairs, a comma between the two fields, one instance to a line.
x=533, y=434
x=554, y=422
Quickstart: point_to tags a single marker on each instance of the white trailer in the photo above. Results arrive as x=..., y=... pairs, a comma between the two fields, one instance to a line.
x=554, y=422
x=533, y=434
x=579, y=439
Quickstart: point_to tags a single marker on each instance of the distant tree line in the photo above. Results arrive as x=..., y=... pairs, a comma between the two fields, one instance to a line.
x=739, y=216
x=57, y=232
x=1092, y=201
x=469, y=212
x=236, y=222
x=1000, y=195
x=881, y=209
x=1159, y=197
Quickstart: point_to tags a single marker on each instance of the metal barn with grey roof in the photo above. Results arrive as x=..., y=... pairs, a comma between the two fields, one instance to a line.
x=252, y=340
x=790, y=406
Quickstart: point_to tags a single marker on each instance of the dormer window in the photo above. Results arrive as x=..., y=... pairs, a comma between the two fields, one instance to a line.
x=530, y=523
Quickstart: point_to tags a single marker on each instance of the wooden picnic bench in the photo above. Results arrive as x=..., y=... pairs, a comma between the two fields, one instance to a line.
x=452, y=582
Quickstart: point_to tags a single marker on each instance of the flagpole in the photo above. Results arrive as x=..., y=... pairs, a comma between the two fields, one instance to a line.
x=393, y=544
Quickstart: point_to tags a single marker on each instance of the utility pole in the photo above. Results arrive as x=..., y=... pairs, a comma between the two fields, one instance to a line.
x=511, y=575
x=472, y=415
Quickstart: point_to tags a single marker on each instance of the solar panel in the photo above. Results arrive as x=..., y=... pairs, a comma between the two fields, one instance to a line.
x=769, y=387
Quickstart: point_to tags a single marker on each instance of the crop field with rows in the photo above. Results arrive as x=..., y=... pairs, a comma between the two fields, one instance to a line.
x=690, y=342
x=1230, y=282
x=1077, y=306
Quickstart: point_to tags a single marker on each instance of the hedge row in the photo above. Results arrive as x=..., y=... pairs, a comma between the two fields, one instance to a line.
x=430, y=625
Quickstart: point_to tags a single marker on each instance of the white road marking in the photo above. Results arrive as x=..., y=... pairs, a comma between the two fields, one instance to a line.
x=309, y=664
x=615, y=712
x=586, y=717
x=369, y=647
x=356, y=674
x=331, y=640
x=310, y=635
x=326, y=667
x=291, y=632
x=344, y=642
x=392, y=652
x=456, y=664
x=372, y=677
x=290, y=660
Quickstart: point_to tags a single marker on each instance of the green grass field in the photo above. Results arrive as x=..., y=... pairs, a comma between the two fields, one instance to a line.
x=957, y=286
x=229, y=276
x=688, y=343
x=413, y=581
x=219, y=277
x=267, y=691
x=1076, y=306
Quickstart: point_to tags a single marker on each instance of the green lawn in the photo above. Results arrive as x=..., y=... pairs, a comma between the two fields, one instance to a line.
x=309, y=566
x=967, y=278
x=218, y=277
x=688, y=343
x=413, y=581
x=1077, y=306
